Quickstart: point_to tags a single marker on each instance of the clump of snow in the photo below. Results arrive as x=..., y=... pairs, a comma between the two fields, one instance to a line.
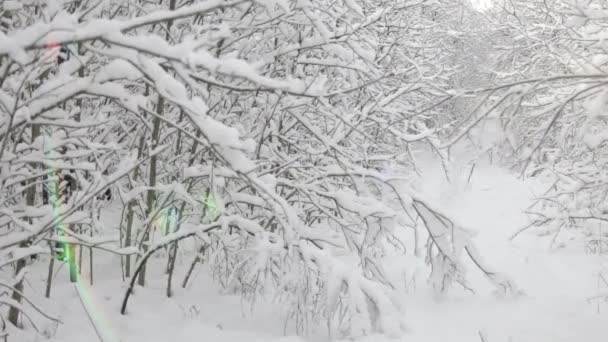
x=118, y=69
x=593, y=140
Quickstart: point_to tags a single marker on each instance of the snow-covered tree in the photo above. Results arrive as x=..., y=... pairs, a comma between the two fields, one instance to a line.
x=261, y=130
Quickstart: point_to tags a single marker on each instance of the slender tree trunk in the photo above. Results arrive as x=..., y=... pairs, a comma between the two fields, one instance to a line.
x=130, y=210
x=30, y=198
x=128, y=238
x=196, y=260
x=13, y=312
x=151, y=194
x=173, y=251
x=80, y=251
x=49, y=277
x=172, y=256
x=91, y=260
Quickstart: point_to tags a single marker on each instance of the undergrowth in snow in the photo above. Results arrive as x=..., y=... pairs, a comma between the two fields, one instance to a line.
x=554, y=304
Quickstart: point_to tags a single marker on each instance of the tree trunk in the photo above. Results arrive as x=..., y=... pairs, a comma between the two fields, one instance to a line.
x=30, y=198
x=151, y=195
x=49, y=277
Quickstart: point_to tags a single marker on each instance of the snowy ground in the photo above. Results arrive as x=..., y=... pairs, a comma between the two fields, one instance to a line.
x=556, y=283
x=555, y=307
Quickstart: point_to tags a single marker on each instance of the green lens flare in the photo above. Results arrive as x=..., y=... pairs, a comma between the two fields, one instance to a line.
x=68, y=254
x=211, y=206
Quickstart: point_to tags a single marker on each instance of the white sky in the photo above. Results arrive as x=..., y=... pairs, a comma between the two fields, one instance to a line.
x=482, y=4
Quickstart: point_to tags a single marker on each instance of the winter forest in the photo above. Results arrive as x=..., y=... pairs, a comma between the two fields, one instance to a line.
x=304, y=170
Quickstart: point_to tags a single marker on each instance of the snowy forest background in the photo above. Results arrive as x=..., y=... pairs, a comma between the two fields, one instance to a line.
x=313, y=170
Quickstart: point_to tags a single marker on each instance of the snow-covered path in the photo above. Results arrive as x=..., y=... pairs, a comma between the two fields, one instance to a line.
x=556, y=283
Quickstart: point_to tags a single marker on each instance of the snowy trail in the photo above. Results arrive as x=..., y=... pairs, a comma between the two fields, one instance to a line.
x=556, y=283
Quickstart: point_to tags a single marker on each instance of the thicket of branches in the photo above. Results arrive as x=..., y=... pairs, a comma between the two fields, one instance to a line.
x=263, y=131
x=549, y=98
